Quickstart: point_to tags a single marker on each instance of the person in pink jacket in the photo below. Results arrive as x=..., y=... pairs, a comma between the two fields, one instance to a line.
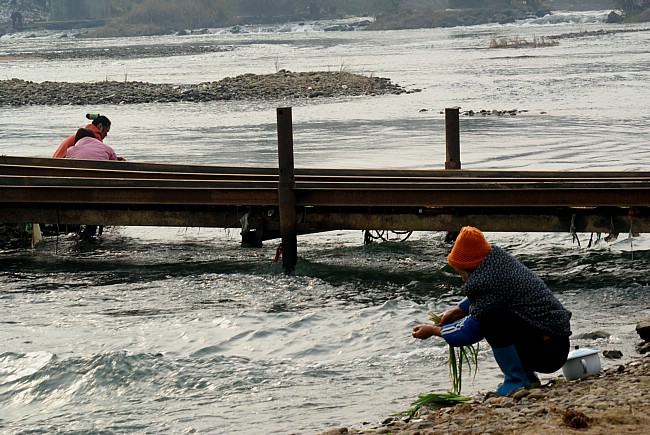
x=100, y=127
x=88, y=147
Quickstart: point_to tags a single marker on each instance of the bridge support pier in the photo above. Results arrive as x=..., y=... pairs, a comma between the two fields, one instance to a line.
x=286, y=194
x=452, y=134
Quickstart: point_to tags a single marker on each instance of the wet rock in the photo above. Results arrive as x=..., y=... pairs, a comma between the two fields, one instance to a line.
x=486, y=112
x=614, y=18
x=643, y=329
x=336, y=431
x=613, y=354
x=520, y=394
x=643, y=347
x=594, y=335
x=126, y=52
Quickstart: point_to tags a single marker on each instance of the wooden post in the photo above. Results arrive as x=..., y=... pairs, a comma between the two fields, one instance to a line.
x=452, y=130
x=286, y=194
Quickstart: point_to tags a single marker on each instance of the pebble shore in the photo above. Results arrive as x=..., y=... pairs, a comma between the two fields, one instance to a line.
x=281, y=85
x=127, y=52
x=615, y=402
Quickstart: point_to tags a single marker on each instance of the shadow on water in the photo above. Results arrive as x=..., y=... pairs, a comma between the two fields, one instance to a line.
x=412, y=270
x=415, y=270
x=590, y=268
x=118, y=272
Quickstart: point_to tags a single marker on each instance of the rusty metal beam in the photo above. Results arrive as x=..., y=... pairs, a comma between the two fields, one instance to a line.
x=134, y=183
x=12, y=165
x=320, y=220
x=115, y=173
x=103, y=179
x=241, y=195
x=58, y=196
x=497, y=223
x=226, y=218
x=131, y=166
x=624, y=197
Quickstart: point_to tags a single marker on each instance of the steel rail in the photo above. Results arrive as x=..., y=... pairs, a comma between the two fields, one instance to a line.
x=60, y=196
x=335, y=181
x=623, y=196
x=7, y=180
x=330, y=185
x=550, y=197
x=332, y=176
x=12, y=166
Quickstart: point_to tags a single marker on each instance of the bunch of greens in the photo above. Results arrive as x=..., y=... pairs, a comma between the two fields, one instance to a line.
x=437, y=398
x=458, y=357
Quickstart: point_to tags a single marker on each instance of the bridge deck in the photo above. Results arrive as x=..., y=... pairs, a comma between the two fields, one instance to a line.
x=124, y=193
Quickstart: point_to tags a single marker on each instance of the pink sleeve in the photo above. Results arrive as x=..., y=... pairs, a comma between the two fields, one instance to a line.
x=111, y=153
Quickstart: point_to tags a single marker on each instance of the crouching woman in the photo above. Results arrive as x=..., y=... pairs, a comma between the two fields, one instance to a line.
x=510, y=306
x=87, y=146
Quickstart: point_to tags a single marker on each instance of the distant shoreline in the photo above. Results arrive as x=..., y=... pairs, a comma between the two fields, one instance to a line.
x=439, y=18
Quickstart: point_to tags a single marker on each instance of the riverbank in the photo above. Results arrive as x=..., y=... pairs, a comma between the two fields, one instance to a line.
x=615, y=402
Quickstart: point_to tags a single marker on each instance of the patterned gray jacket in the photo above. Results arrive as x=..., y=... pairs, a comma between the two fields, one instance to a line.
x=503, y=280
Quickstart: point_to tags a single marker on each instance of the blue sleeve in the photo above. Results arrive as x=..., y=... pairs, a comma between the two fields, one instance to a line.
x=464, y=305
x=462, y=333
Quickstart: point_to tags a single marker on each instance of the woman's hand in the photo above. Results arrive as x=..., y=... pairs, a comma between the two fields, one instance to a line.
x=425, y=331
x=451, y=315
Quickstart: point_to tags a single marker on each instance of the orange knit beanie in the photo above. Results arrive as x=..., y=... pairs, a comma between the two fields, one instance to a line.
x=470, y=249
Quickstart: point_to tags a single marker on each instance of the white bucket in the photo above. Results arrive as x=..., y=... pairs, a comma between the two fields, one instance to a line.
x=581, y=363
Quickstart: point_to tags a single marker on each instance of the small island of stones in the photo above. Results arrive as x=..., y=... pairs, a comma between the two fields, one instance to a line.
x=281, y=85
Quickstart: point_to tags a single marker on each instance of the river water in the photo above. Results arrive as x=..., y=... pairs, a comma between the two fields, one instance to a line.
x=181, y=330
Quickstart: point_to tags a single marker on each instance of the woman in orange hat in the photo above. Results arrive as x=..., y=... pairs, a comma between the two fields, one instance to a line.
x=510, y=306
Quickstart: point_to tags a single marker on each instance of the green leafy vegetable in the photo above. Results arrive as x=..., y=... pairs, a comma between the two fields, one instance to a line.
x=457, y=357
x=465, y=355
x=435, y=398
x=436, y=318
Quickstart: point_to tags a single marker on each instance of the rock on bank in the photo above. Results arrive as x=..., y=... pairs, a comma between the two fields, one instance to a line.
x=279, y=86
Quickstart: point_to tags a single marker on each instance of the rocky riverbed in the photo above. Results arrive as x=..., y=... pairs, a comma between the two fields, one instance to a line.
x=122, y=52
x=615, y=402
x=278, y=86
